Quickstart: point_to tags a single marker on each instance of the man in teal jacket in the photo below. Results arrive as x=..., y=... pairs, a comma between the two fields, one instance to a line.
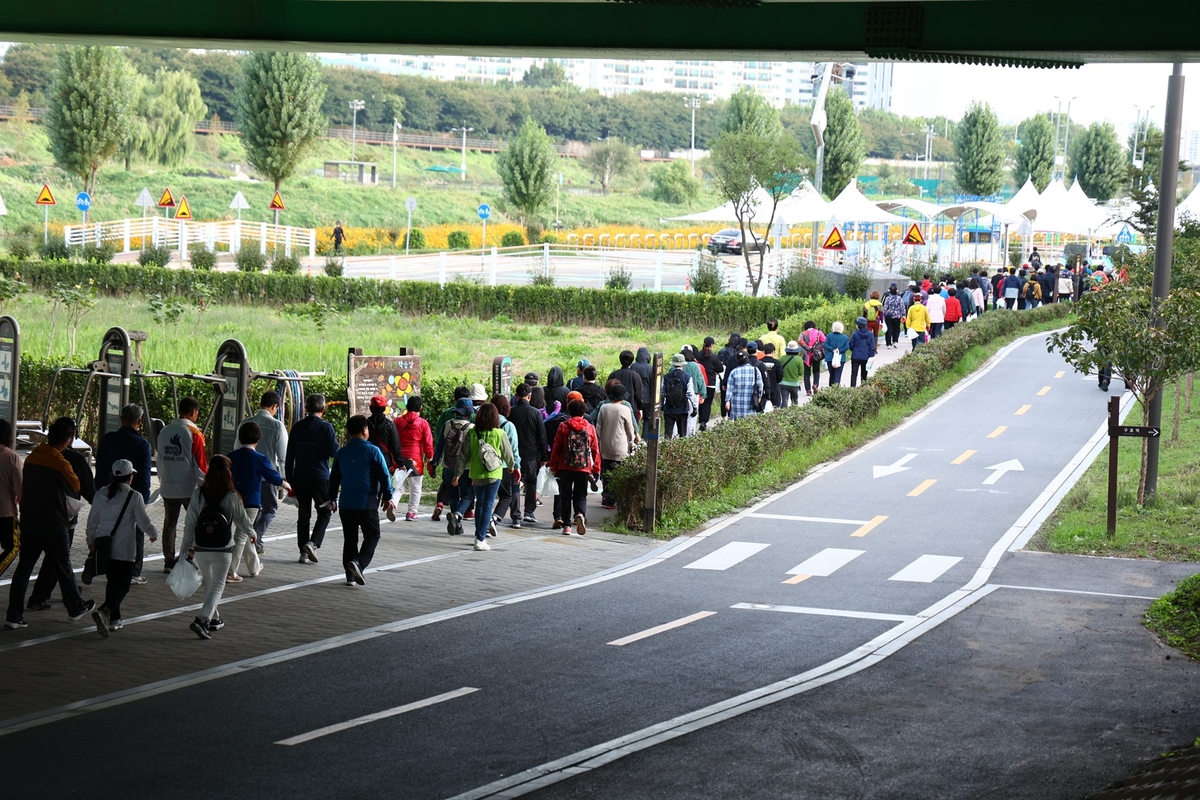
x=360, y=475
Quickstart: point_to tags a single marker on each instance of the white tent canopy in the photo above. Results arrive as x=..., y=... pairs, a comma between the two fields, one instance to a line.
x=760, y=206
x=1190, y=207
x=1025, y=200
x=852, y=206
x=1057, y=212
x=926, y=209
x=805, y=204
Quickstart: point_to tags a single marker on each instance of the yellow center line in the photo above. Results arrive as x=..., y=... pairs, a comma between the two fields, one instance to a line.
x=1045, y=389
x=997, y=432
x=797, y=578
x=1022, y=410
x=870, y=526
x=1060, y=373
x=920, y=489
x=657, y=629
x=966, y=454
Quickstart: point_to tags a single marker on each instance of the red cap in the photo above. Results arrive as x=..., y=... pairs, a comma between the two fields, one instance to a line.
x=379, y=401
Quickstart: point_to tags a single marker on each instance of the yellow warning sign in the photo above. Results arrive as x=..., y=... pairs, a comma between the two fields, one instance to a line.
x=46, y=197
x=167, y=200
x=835, y=240
x=184, y=211
x=914, y=236
x=276, y=203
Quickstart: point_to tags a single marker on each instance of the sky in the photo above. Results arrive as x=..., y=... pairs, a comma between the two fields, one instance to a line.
x=1102, y=91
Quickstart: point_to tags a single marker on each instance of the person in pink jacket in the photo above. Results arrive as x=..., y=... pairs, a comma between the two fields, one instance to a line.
x=416, y=447
x=812, y=344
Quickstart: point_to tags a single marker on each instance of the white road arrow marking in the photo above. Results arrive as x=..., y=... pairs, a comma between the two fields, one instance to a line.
x=1007, y=466
x=892, y=469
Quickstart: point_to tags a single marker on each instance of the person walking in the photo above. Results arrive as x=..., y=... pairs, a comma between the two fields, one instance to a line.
x=917, y=322
x=507, y=496
x=339, y=236
x=576, y=462
x=954, y=309
x=531, y=450
x=360, y=475
x=253, y=476
x=893, y=312
x=678, y=397
x=631, y=380
x=935, y=304
x=862, y=350
x=381, y=432
x=744, y=388
x=771, y=367
x=576, y=383
x=455, y=482
x=126, y=442
x=813, y=343
x=713, y=369
x=306, y=469
x=443, y=492
x=43, y=587
x=772, y=336
x=837, y=349
x=215, y=515
x=617, y=434
x=556, y=391
x=182, y=464
x=119, y=513
x=416, y=450
x=10, y=497
x=47, y=478
x=873, y=312
x=791, y=367
x=485, y=455
x=272, y=445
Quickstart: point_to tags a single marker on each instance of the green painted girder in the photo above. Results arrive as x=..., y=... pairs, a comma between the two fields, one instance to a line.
x=1072, y=31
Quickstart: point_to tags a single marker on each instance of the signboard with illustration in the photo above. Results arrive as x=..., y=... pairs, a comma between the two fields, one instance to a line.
x=502, y=375
x=397, y=378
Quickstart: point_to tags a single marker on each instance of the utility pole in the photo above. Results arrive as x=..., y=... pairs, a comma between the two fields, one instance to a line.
x=929, y=134
x=465, y=130
x=396, y=126
x=355, y=106
x=1164, y=244
x=693, y=103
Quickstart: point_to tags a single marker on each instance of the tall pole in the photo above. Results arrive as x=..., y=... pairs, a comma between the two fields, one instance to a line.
x=355, y=107
x=693, y=103
x=395, y=141
x=1164, y=243
x=1066, y=138
x=463, y=166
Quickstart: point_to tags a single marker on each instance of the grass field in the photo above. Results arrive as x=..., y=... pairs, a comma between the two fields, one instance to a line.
x=1167, y=528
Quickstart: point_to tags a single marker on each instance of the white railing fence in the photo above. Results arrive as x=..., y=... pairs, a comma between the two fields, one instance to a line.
x=177, y=234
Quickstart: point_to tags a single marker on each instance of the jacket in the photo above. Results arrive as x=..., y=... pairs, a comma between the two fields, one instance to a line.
x=416, y=440
x=235, y=512
x=615, y=430
x=46, y=480
x=556, y=390
x=182, y=461
x=559, y=451
x=250, y=468
x=689, y=394
x=552, y=425
x=511, y=432
x=274, y=441
x=10, y=482
x=954, y=311
x=633, y=386
x=593, y=394
x=699, y=384
x=125, y=442
x=936, y=308
x=792, y=367
x=103, y=517
x=917, y=318
x=641, y=365
x=862, y=345
x=531, y=431
x=774, y=338
x=469, y=457
x=771, y=365
x=309, y=449
x=383, y=433
x=841, y=343
x=713, y=367
x=807, y=340
x=83, y=471
x=360, y=474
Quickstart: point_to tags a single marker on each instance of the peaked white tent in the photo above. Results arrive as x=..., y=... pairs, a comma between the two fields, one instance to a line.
x=926, y=209
x=1190, y=207
x=852, y=206
x=1026, y=198
x=805, y=204
x=760, y=205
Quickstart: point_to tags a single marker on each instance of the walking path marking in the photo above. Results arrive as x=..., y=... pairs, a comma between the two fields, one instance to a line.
x=926, y=569
x=917, y=492
x=1021, y=411
x=657, y=629
x=997, y=432
x=1000, y=469
x=966, y=454
x=825, y=612
x=825, y=563
x=727, y=556
x=831, y=520
x=893, y=468
x=1043, y=391
x=1060, y=373
x=870, y=526
x=391, y=712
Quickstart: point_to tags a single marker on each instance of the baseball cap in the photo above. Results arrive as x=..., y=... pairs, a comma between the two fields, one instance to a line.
x=574, y=396
x=122, y=467
x=464, y=407
x=532, y=378
x=379, y=401
x=751, y=347
x=708, y=340
x=583, y=362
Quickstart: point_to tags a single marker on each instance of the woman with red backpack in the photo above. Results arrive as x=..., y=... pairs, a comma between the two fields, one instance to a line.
x=575, y=462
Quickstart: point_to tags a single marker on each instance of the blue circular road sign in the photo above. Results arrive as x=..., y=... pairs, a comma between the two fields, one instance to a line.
x=485, y=211
x=83, y=201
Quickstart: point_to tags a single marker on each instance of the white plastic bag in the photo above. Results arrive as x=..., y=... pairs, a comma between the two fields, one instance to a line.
x=547, y=485
x=185, y=579
x=836, y=360
x=398, y=479
x=870, y=363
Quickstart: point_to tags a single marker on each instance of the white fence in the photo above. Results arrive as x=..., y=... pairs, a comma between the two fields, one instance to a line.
x=178, y=234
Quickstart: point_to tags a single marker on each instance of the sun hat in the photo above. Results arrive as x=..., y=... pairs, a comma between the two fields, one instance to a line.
x=792, y=348
x=678, y=360
x=479, y=393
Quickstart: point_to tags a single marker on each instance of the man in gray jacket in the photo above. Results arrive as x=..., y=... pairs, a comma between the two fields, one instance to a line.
x=273, y=445
x=182, y=463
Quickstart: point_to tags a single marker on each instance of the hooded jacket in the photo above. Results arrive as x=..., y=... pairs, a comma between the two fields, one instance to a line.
x=531, y=432
x=381, y=432
x=415, y=439
x=559, y=451
x=556, y=388
x=47, y=478
x=633, y=386
x=712, y=366
x=641, y=365
x=862, y=344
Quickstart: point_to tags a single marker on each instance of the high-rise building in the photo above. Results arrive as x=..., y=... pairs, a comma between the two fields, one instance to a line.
x=1189, y=147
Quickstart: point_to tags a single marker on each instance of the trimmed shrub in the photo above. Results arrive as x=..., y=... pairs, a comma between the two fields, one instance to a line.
x=511, y=239
x=459, y=240
x=286, y=265
x=155, y=257
x=414, y=239
x=619, y=278
x=20, y=248
x=54, y=250
x=706, y=279
x=203, y=259
x=249, y=259
x=803, y=280
x=549, y=238
x=94, y=253
x=335, y=267
x=857, y=282
x=541, y=279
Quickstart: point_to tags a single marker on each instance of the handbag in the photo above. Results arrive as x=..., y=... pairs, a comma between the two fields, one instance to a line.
x=102, y=546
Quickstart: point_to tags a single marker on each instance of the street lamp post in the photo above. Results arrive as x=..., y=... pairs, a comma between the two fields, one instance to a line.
x=396, y=126
x=693, y=103
x=465, y=130
x=355, y=106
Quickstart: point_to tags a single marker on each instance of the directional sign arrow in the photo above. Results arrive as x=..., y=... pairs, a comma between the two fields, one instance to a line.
x=892, y=469
x=1007, y=466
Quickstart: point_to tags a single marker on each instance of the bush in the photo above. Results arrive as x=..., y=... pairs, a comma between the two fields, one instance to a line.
x=55, y=250
x=286, y=265
x=20, y=248
x=619, y=278
x=806, y=281
x=335, y=267
x=534, y=230
x=203, y=259
x=706, y=279
x=415, y=239
x=155, y=257
x=512, y=239
x=459, y=240
x=542, y=279
x=94, y=253
x=674, y=183
x=250, y=259
x=549, y=238
x=857, y=282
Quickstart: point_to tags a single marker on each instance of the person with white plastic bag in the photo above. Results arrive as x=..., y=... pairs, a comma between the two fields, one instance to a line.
x=214, y=512
x=119, y=515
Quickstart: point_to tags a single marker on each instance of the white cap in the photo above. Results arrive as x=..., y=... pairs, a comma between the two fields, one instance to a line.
x=123, y=467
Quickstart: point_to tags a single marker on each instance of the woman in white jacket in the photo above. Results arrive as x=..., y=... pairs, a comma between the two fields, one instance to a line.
x=215, y=515
x=119, y=512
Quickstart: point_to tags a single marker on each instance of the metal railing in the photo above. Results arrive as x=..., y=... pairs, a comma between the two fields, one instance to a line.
x=179, y=235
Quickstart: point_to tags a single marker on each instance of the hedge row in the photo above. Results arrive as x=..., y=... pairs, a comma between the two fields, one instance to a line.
x=697, y=466
x=539, y=304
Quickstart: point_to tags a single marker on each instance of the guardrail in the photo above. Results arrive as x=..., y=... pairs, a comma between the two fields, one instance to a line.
x=179, y=234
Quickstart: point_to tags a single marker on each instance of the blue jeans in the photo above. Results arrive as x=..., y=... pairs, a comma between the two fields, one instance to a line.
x=485, y=502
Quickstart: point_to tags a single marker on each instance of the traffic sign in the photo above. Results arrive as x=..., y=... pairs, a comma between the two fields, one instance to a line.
x=484, y=211
x=411, y=204
x=1139, y=431
x=1125, y=236
x=167, y=200
x=83, y=201
x=914, y=236
x=46, y=197
x=239, y=202
x=184, y=211
x=835, y=240
x=144, y=199
x=276, y=203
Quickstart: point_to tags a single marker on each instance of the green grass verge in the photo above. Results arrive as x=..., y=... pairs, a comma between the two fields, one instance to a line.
x=1176, y=618
x=1167, y=528
x=747, y=489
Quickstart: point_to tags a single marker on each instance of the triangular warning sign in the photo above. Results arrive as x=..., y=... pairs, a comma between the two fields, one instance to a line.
x=914, y=236
x=167, y=200
x=46, y=197
x=834, y=240
x=184, y=211
x=276, y=203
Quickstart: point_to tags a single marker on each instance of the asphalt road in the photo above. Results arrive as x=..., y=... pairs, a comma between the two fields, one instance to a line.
x=826, y=582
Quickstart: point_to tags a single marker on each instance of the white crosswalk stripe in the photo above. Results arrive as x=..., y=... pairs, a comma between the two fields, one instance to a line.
x=727, y=556
x=826, y=562
x=926, y=569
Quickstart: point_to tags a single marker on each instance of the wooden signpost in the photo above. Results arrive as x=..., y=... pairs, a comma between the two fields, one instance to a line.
x=1115, y=431
x=394, y=377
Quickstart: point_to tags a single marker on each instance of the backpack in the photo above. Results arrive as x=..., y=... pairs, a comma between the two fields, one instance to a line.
x=893, y=305
x=488, y=456
x=454, y=441
x=872, y=308
x=213, y=529
x=578, y=455
x=674, y=392
x=816, y=349
x=1033, y=290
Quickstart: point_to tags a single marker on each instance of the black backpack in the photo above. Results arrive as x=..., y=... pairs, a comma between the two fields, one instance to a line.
x=213, y=529
x=674, y=392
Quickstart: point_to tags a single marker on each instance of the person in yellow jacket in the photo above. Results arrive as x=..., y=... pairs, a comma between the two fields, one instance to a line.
x=917, y=321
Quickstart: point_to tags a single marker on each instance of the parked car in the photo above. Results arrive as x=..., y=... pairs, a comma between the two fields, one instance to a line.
x=729, y=240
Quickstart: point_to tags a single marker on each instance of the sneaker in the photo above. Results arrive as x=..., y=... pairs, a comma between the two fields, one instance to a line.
x=481, y=544
x=88, y=607
x=437, y=512
x=215, y=624
x=35, y=606
x=515, y=524
x=558, y=523
x=311, y=552
x=469, y=515
x=492, y=526
x=13, y=625
x=200, y=629
x=258, y=548
x=115, y=625
x=349, y=580
x=452, y=526
x=233, y=578
x=303, y=558
x=410, y=517
x=566, y=530
x=391, y=514
x=580, y=524
x=530, y=518
x=100, y=617
x=257, y=572
x=355, y=572
x=137, y=580
x=167, y=569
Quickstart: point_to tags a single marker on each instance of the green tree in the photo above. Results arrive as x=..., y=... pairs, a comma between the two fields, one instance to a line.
x=527, y=169
x=1097, y=161
x=749, y=112
x=547, y=76
x=279, y=111
x=844, y=144
x=1035, y=153
x=91, y=108
x=979, y=146
x=607, y=160
x=29, y=68
x=673, y=183
x=168, y=108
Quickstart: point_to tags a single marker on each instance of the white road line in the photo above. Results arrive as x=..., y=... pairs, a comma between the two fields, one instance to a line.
x=830, y=520
x=727, y=556
x=391, y=712
x=657, y=629
x=826, y=562
x=825, y=612
x=1072, y=591
x=926, y=569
